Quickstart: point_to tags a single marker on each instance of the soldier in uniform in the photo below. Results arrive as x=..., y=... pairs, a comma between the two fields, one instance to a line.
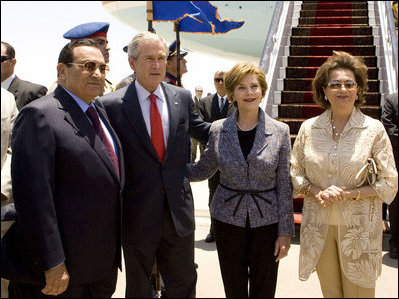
x=98, y=32
x=171, y=64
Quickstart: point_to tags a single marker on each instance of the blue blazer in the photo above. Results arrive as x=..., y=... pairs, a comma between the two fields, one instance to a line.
x=66, y=191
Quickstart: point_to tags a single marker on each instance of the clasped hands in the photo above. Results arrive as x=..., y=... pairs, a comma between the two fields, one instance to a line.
x=332, y=194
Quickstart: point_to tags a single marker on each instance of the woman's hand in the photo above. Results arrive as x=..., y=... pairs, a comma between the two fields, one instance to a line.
x=281, y=247
x=332, y=194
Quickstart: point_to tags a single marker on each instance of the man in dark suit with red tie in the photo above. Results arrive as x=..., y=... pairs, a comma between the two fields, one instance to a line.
x=153, y=119
x=212, y=108
x=67, y=174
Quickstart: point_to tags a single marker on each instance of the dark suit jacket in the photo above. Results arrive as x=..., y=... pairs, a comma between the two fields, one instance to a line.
x=148, y=181
x=66, y=191
x=389, y=117
x=209, y=108
x=25, y=92
x=196, y=103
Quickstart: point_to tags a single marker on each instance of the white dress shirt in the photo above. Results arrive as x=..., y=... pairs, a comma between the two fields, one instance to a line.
x=222, y=101
x=145, y=104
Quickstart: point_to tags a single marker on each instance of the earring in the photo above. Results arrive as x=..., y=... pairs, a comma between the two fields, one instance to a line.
x=325, y=98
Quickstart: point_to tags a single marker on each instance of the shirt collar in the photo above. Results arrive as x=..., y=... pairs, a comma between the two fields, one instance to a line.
x=219, y=96
x=7, y=82
x=82, y=104
x=143, y=94
x=356, y=120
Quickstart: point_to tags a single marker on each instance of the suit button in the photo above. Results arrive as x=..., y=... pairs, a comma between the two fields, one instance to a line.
x=162, y=190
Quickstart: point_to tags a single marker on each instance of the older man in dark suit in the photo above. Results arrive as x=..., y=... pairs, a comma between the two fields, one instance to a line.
x=23, y=91
x=67, y=174
x=212, y=108
x=389, y=118
x=153, y=120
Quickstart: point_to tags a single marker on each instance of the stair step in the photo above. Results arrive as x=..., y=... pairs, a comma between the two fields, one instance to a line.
x=370, y=61
x=334, y=5
x=328, y=30
x=310, y=72
x=357, y=50
x=307, y=111
x=334, y=20
x=334, y=12
x=293, y=123
x=332, y=40
x=299, y=111
x=298, y=97
x=301, y=84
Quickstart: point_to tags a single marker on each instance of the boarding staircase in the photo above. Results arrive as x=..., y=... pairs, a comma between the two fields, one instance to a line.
x=318, y=28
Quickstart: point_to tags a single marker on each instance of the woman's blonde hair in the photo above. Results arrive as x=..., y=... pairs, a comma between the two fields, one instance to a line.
x=234, y=76
x=340, y=60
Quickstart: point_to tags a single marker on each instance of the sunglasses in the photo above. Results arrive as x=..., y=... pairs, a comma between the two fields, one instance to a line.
x=218, y=79
x=90, y=66
x=199, y=90
x=338, y=85
x=4, y=58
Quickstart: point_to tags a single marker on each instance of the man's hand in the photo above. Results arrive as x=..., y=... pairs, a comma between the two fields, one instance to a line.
x=57, y=280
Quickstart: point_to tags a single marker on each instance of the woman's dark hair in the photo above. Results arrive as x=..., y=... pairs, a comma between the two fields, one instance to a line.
x=340, y=60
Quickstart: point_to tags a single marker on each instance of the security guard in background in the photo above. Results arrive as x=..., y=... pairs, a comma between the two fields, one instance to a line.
x=171, y=64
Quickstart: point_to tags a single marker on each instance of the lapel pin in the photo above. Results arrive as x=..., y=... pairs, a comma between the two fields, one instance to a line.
x=176, y=103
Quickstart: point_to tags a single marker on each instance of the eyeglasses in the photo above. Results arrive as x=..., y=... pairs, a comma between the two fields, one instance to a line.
x=218, y=80
x=90, y=66
x=336, y=85
x=4, y=58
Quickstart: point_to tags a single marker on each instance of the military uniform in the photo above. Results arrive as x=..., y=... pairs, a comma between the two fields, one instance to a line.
x=92, y=30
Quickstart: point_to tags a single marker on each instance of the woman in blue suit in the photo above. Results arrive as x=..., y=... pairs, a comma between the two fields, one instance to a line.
x=252, y=206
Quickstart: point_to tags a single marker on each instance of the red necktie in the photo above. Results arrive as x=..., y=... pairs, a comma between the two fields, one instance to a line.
x=156, y=128
x=92, y=114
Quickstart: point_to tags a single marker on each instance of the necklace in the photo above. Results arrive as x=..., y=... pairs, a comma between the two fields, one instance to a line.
x=335, y=130
x=241, y=129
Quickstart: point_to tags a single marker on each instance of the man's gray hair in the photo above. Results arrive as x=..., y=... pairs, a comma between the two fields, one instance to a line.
x=134, y=46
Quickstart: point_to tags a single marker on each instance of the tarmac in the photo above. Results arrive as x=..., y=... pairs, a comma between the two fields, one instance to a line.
x=210, y=285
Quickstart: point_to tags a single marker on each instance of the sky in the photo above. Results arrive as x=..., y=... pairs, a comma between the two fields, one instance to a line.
x=35, y=29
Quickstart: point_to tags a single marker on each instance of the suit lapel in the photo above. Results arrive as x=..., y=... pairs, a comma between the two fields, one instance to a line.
x=106, y=121
x=215, y=110
x=173, y=108
x=14, y=85
x=13, y=88
x=229, y=139
x=263, y=131
x=78, y=120
x=132, y=110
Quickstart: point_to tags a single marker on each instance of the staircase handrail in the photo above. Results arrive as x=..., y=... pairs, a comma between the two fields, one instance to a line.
x=394, y=38
x=389, y=43
x=267, y=48
x=272, y=44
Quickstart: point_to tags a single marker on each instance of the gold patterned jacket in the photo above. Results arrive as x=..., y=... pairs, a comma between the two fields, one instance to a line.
x=319, y=160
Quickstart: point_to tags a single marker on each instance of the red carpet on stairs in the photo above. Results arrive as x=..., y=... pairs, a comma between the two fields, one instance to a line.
x=324, y=26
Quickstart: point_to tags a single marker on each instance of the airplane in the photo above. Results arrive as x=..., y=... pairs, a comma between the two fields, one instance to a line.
x=243, y=44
